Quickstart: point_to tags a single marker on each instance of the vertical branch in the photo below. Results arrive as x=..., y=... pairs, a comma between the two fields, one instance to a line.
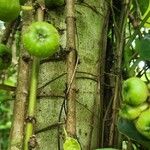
x=120, y=37
x=31, y=120
x=102, y=67
x=16, y=135
x=17, y=130
x=32, y=103
x=71, y=63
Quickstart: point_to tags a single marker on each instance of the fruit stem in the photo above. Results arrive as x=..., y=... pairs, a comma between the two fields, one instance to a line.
x=32, y=102
x=26, y=8
x=65, y=132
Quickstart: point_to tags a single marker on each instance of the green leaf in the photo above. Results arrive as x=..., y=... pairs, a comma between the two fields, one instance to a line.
x=127, y=128
x=4, y=95
x=10, y=81
x=143, y=47
x=143, y=5
x=71, y=144
x=6, y=126
x=147, y=24
x=128, y=55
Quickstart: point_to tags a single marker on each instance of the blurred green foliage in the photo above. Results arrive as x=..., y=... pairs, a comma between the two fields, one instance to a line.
x=6, y=107
x=5, y=115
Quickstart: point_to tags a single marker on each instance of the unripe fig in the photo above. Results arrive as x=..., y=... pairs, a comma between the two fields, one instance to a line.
x=134, y=91
x=9, y=10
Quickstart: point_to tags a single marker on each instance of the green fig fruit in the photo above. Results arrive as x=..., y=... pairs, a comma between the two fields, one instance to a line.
x=41, y=39
x=54, y=3
x=142, y=124
x=9, y=10
x=130, y=112
x=5, y=57
x=134, y=91
x=71, y=144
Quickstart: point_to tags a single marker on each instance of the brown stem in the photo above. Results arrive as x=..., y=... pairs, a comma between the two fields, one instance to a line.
x=71, y=63
x=103, y=47
x=17, y=130
x=16, y=136
x=7, y=87
x=120, y=36
x=50, y=127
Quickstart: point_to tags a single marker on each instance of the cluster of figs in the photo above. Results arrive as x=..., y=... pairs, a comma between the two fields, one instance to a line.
x=135, y=106
x=40, y=39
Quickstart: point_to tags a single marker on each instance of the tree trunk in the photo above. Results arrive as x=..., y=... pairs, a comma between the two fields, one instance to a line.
x=51, y=106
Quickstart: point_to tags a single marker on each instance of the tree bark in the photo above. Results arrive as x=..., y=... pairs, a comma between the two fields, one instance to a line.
x=51, y=105
x=17, y=130
x=71, y=68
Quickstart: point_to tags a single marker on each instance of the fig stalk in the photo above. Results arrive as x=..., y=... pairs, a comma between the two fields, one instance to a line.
x=31, y=120
x=32, y=103
x=26, y=8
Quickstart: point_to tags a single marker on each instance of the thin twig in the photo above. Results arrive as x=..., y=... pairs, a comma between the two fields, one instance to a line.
x=52, y=80
x=104, y=119
x=73, y=77
x=50, y=127
x=50, y=95
x=119, y=49
x=83, y=77
x=7, y=87
x=59, y=119
x=87, y=73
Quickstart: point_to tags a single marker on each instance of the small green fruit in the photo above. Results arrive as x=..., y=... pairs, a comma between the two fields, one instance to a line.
x=71, y=144
x=134, y=91
x=9, y=10
x=5, y=57
x=41, y=39
x=142, y=124
x=130, y=112
x=54, y=3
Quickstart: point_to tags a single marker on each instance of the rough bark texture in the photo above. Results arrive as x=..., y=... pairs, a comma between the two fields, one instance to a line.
x=17, y=130
x=90, y=18
x=71, y=68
